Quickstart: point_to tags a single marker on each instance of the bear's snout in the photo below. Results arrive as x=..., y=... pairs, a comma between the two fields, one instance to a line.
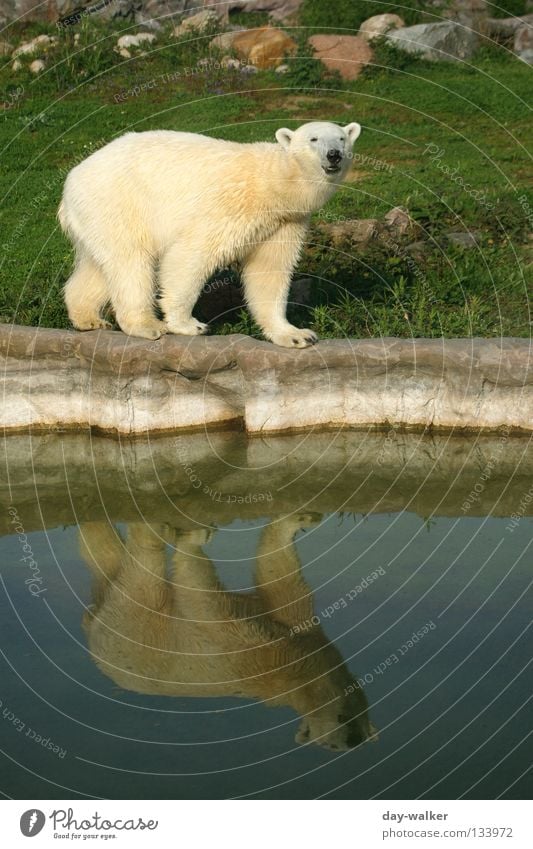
x=334, y=156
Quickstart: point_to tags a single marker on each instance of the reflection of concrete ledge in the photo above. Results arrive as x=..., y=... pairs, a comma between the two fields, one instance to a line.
x=107, y=380
x=203, y=479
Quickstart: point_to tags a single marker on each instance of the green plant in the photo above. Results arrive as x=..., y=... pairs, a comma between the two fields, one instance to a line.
x=388, y=58
x=350, y=14
x=76, y=61
x=244, y=323
x=507, y=8
x=305, y=71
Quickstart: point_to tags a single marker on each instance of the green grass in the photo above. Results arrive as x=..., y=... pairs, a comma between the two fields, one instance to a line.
x=475, y=115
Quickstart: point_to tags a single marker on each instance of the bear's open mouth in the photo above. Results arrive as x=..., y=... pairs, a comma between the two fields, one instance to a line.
x=331, y=169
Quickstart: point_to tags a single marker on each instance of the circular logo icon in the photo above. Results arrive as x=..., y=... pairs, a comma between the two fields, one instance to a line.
x=32, y=822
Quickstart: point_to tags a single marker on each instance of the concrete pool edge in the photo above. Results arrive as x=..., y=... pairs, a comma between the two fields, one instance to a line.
x=115, y=383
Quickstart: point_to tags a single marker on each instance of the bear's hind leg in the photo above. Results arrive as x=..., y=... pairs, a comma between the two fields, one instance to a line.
x=178, y=298
x=86, y=294
x=131, y=282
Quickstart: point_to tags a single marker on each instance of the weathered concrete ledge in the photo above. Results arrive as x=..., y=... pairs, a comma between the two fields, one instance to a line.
x=106, y=380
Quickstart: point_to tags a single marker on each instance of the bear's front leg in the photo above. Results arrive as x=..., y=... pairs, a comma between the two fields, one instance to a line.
x=267, y=276
x=181, y=279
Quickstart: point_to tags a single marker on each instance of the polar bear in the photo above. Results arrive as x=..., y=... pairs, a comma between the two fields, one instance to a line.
x=188, y=204
x=182, y=633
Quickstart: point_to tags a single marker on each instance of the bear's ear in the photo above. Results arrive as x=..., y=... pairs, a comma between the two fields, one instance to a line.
x=284, y=137
x=353, y=132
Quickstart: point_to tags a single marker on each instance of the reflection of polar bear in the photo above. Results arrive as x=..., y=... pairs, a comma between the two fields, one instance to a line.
x=185, y=635
x=192, y=204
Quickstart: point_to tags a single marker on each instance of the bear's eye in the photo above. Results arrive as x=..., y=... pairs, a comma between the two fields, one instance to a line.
x=314, y=139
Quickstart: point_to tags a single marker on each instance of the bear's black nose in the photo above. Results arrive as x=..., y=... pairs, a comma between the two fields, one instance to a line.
x=334, y=156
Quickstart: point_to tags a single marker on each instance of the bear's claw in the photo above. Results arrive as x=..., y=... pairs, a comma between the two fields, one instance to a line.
x=294, y=338
x=187, y=328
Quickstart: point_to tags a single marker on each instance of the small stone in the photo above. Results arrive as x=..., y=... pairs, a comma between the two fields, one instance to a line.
x=470, y=239
x=40, y=42
x=417, y=249
x=282, y=69
x=199, y=22
x=526, y=56
x=146, y=21
x=360, y=231
x=37, y=66
x=398, y=221
x=229, y=62
x=135, y=40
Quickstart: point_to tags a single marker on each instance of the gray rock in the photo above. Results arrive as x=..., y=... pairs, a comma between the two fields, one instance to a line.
x=36, y=10
x=360, y=231
x=278, y=9
x=502, y=29
x=147, y=22
x=526, y=56
x=418, y=250
x=106, y=380
x=437, y=42
x=398, y=221
x=469, y=239
x=473, y=14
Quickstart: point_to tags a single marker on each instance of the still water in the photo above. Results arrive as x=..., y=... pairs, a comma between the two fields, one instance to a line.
x=337, y=615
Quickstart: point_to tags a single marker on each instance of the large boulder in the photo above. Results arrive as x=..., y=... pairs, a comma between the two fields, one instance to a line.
x=142, y=11
x=504, y=29
x=378, y=25
x=437, y=42
x=53, y=10
x=264, y=47
x=224, y=40
x=473, y=14
x=347, y=54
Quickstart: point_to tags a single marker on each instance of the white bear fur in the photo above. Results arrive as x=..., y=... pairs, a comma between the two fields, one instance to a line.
x=190, y=204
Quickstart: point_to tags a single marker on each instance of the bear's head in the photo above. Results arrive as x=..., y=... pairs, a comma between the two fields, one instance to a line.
x=322, y=147
x=340, y=724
